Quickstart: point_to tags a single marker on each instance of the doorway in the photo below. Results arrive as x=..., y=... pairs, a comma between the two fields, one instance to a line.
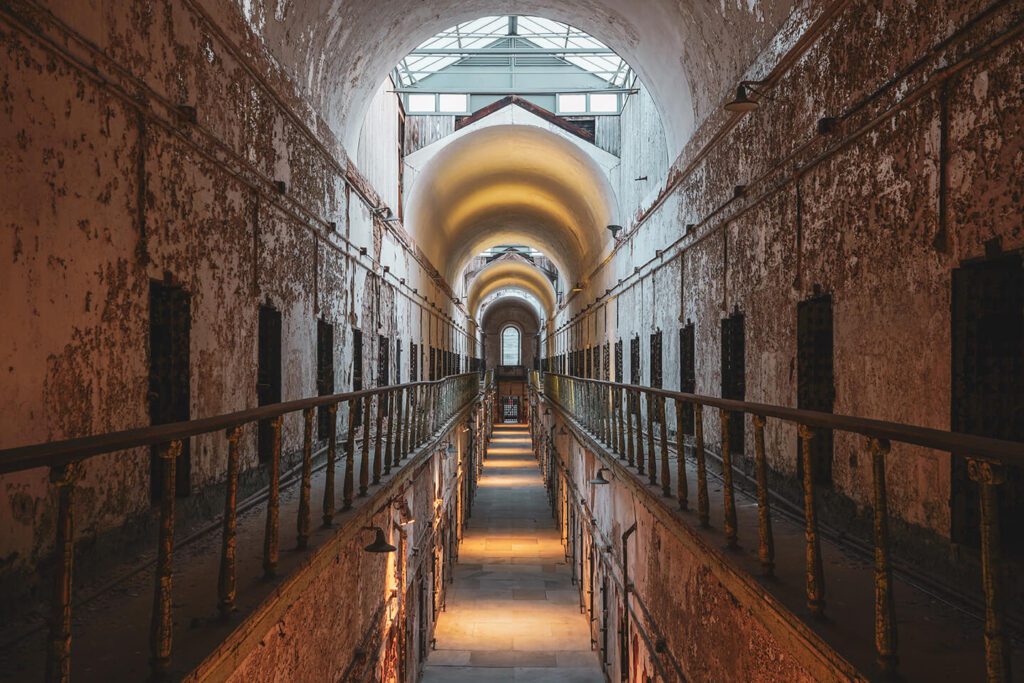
x=170, y=326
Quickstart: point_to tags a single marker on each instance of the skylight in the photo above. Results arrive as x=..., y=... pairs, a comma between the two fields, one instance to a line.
x=510, y=40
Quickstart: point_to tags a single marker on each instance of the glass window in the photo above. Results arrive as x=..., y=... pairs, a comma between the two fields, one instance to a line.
x=572, y=103
x=510, y=346
x=455, y=104
x=604, y=103
x=420, y=103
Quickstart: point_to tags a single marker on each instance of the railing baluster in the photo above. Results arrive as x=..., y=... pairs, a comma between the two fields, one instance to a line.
x=666, y=473
x=378, y=437
x=58, y=661
x=303, y=523
x=885, y=616
x=765, y=540
x=364, y=457
x=270, y=535
x=394, y=418
x=162, y=625
x=815, y=577
x=332, y=459
x=728, y=493
x=650, y=402
x=226, y=586
x=703, y=512
x=630, y=441
x=989, y=475
x=682, y=485
x=350, y=456
x=620, y=427
x=640, y=466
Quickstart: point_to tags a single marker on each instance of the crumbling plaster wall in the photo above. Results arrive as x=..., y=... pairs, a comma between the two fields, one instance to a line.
x=706, y=628
x=925, y=166
x=364, y=600
x=109, y=188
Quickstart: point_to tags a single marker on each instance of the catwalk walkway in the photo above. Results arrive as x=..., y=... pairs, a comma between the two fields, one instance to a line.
x=512, y=612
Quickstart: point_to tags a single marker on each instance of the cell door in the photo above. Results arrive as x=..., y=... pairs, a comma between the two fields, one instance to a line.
x=170, y=326
x=988, y=388
x=734, y=384
x=324, y=373
x=268, y=374
x=815, y=380
x=687, y=373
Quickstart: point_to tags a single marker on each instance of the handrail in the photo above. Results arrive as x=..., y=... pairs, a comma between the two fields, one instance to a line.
x=614, y=414
x=401, y=418
x=1009, y=452
x=67, y=451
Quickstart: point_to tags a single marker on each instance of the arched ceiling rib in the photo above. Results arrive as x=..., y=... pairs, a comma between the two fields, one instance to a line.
x=504, y=309
x=689, y=53
x=511, y=184
x=510, y=274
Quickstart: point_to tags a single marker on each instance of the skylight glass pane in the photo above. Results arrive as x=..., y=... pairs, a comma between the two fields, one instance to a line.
x=454, y=103
x=486, y=31
x=572, y=103
x=421, y=104
x=604, y=103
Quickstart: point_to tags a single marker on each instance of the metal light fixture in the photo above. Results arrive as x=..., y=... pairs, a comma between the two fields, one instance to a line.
x=577, y=288
x=614, y=230
x=380, y=544
x=599, y=479
x=742, y=103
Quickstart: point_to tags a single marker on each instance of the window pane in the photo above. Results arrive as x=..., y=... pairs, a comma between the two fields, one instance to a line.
x=454, y=103
x=421, y=103
x=604, y=103
x=572, y=103
x=510, y=346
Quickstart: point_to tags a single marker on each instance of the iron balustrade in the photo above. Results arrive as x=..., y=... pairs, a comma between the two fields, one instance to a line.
x=415, y=412
x=612, y=415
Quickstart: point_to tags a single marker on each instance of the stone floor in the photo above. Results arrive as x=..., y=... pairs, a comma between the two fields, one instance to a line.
x=512, y=612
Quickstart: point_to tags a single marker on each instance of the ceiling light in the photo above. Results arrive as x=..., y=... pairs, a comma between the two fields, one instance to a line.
x=599, y=479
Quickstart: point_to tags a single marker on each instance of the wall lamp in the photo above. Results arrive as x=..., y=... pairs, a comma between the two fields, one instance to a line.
x=742, y=103
x=615, y=229
x=380, y=544
x=599, y=479
x=576, y=288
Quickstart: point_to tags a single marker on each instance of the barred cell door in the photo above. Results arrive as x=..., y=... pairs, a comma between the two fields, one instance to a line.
x=510, y=409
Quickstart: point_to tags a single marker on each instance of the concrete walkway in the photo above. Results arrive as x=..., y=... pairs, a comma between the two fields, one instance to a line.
x=512, y=612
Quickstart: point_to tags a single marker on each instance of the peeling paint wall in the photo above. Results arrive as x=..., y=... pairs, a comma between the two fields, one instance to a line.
x=110, y=185
x=923, y=168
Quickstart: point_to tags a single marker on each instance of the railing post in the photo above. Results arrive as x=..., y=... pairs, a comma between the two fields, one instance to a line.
x=162, y=625
x=682, y=485
x=989, y=475
x=728, y=493
x=58, y=661
x=885, y=617
x=815, y=577
x=270, y=535
x=666, y=473
x=332, y=458
x=651, y=403
x=364, y=458
x=766, y=542
x=703, y=512
x=226, y=588
x=348, y=485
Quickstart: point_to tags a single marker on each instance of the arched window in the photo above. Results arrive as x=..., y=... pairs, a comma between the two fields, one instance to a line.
x=510, y=346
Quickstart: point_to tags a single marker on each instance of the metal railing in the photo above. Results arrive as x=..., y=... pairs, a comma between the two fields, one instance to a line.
x=614, y=414
x=405, y=416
